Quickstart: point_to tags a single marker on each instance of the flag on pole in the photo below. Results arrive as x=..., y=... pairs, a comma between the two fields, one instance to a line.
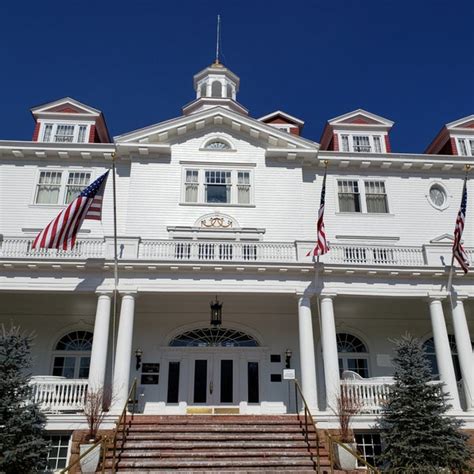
x=62, y=231
x=322, y=246
x=458, y=250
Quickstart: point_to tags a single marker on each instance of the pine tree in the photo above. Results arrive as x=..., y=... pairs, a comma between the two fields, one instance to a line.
x=23, y=448
x=416, y=436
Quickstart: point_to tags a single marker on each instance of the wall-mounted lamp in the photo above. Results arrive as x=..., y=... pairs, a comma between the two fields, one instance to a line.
x=138, y=357
x=216, y=313
x=288, y=354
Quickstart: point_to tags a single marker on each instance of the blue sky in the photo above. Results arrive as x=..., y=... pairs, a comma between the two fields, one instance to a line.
x=409, y=61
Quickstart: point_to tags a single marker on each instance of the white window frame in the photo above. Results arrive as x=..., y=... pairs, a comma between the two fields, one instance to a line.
x=63, y=185
x=374, y=180
x=57, y=123
x=50, y=434
x=372, y=142
x=362, y=195
x=465, y=144
x=201, y=195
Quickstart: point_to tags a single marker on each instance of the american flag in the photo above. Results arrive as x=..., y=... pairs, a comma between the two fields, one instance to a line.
x=322, y=246
x=62, y=231
x=458, y=250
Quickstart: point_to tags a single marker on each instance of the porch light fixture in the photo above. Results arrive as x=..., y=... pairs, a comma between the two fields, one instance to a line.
x=216, y=313
x=138, y=357
x=288, y=354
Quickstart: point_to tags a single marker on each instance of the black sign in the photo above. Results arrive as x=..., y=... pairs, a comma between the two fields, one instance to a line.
x=149, y=379
x=150, y=368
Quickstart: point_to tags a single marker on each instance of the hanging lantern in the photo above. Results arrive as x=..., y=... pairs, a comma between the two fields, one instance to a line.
x=216, y=313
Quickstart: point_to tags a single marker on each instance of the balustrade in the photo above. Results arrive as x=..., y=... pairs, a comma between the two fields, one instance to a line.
x=371, y=394
x=56, y=395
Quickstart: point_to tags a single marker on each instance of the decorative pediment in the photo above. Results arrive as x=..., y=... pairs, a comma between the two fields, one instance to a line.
x=164, y=134
x=361, y=117
x=216, y=221
x=443, y=239
x=67, y=105
x=462, y=123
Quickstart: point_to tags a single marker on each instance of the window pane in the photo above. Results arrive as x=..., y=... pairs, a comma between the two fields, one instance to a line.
x=81, y=138
x=84, y=367
x=49, y=187
x=376, y=197
x=64, y=134
x=345, y=143
x=243, y=187
x=361, y=143
x=47, y=132
x=173, y=383
x=191, y=186
x=377, y=144
x=77, y=181
x=348, y=196
x=252, y=382
x=462, y=146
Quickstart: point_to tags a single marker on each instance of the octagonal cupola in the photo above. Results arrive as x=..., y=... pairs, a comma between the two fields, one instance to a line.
x=215, y=86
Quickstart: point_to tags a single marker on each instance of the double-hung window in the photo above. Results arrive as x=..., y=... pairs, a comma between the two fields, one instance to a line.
x=48, y=188
x=60, y=187
x=466, y=146
x=361, y=143
x=217, y=186
x=64, y=133
x=348, y=194
x=376, y=197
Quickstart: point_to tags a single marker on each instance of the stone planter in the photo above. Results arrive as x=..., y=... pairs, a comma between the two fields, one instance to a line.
x=90, y=462
x=346, y=460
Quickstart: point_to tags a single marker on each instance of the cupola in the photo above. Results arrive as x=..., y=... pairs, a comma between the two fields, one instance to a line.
x=215, y=86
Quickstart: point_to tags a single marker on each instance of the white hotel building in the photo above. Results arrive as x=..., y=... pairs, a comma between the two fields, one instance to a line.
x=216, y=202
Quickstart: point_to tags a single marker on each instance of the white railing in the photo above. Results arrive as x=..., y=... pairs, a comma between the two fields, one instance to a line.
x=375, y=255
x=231, y=251
x=370, y=393
x=20, y=247
x=57, y=395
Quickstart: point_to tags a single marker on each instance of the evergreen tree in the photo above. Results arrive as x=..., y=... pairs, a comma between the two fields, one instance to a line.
x=23, y=448
x=416, y=436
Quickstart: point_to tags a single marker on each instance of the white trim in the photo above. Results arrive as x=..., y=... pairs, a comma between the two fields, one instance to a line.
x=446, y=204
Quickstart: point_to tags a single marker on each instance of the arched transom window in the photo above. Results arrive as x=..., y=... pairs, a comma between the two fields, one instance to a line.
x=213, y=337
x=430, y=352
x=72, y=355
x=353, y=354
x=217, y=145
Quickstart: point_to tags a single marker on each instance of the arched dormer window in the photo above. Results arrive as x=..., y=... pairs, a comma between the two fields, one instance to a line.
x=216, y=89
x=353, y=354
x=71, y=358
x=217, y=144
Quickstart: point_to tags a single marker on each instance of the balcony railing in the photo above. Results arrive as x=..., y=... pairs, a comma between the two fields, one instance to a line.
x=371, y=394
x=375, y=255
x=21, y=247
x=207, y=251
x=59, y=395
x=232, y=251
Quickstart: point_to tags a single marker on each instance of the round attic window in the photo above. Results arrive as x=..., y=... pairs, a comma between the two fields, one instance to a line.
x=438, y=196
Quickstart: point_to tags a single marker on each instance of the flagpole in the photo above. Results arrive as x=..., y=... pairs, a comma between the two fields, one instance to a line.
x=451, y=270
x=115, y=296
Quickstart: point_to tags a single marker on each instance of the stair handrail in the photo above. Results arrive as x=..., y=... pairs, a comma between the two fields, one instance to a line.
x=103, y=442
x=307, y=414
x=120, y=424
x=332, y=441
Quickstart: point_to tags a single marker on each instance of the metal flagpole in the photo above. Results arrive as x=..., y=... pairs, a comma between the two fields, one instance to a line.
x=114, y=315
x=451, y=270
x=218, y=38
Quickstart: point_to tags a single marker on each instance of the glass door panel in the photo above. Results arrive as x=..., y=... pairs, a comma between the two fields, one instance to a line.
x=200, y=381
x=227, y=381
x=252, y=379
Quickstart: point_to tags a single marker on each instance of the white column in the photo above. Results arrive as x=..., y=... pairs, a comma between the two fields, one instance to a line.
x=443, y=352
x=123, y=355
x=464, y=348
x=330, y=357
x=307, y=356
x=100, y=342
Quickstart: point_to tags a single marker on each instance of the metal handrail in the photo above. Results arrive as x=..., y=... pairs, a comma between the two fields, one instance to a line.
x=332, y=441
x=102, y=442
x=120, y=425
x=307, y=414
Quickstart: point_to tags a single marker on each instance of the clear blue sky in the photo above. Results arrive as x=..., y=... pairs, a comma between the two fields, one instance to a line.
x=409, y=61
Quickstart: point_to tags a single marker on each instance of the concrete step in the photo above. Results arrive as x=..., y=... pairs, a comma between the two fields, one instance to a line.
x=203, y=444
x=247, y=462
x=218, y=436
x=197, y=428
x=219, y=419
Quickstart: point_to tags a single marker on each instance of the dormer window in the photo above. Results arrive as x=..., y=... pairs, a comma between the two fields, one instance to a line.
x=64, y=133
x=217, y=145
x=362, y=143
x=466, y=146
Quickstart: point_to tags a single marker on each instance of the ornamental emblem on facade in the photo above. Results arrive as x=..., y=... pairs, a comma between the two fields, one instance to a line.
x=216, y=222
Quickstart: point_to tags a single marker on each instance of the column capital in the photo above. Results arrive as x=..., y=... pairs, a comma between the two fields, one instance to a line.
x=435, y=296
x=128, y=292
x=460, y=296
x=104, y=292
x=327, y=294
x=304, y=294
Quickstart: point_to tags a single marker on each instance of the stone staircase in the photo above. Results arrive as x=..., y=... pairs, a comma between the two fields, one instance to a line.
x=218, y=443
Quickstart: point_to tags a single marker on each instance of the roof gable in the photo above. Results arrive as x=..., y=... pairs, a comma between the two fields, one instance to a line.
x=281, y=117
x=269, y=136
x=462, y=123
x=67, y=105
x=360, y=117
